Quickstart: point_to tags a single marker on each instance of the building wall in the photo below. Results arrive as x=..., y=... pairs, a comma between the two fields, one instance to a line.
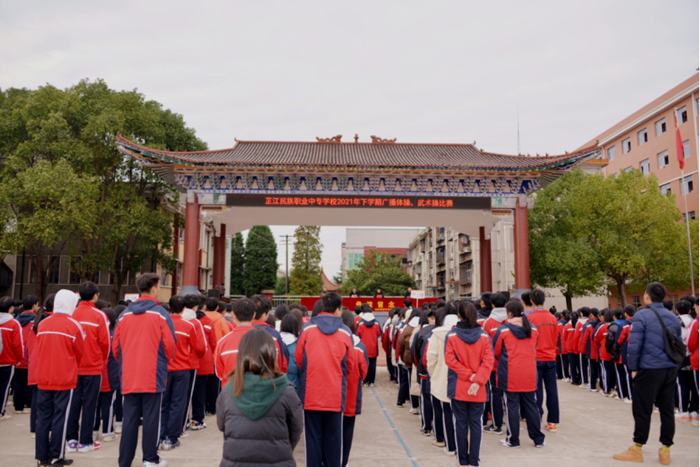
x=360, y=241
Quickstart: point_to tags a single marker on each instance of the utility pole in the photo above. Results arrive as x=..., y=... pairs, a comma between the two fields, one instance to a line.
x=286, y=264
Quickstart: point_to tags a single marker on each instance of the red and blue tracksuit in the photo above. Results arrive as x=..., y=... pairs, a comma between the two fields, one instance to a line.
x=583, y=361
x=283, y=354
x=625, y=376
x=353, y=401
x=568, y=339
x=589, y=350
x=386, y=345
x=562, y=352
x=517, y=378
x=21, y=394
x=693, y=339
x=418, y=347
x=324, y=353
x=607, y=367
x=109, y=394
x=206, y=386
x=11, y=354
x=497, y=317
x=369, y=332
x=469, y=357
x=547, y=343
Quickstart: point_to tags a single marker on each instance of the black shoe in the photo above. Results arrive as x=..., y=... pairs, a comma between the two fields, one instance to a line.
x=493, y=430
x=61, y=462
x=399, y=406
x=43, y=463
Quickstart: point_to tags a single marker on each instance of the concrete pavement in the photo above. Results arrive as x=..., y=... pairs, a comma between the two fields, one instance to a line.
x=593, y=428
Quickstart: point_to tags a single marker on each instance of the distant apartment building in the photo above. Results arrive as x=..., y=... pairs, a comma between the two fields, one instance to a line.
x=359, y=242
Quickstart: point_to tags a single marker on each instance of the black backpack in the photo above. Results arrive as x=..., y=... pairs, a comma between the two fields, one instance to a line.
x=611, y=343
x=673, y=345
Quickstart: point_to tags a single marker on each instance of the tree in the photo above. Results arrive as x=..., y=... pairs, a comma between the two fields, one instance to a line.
x=377, y=270
x=338, y=278
x=260, y=260
x=305, y=278
x=280, y=287
x=237, y=265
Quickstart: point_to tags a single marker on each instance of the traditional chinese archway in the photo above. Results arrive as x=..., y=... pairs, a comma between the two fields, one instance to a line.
x=381, y=183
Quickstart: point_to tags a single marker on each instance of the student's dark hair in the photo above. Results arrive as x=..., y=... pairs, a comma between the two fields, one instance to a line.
x=608, y=316
x=318, y=308
x=296, y=312
x=262, y=305
x=145, y=282
x=683, y=307
x=498, y=300
x=525, y=297
x=558, y=316
x=440, y=303
x=585, y=311
x=566, y=314
x=166, y=307
x=111, y=316
x=656, y=291
x=348, y=320
x=101, y=304
x=212, y=304
x=408, y=303
x=424, y=318
x=415, y=313
x=594, y=313
x=629, y=310
x=537, y=297
x=617, y=313
x=424, y=306
x=48, y=303
x=29, y=301
x=281, y=311
x=331, y=302
x=40, y=316
x=6, y=303
x=690, y=299
x=271, y=320
x=450, y=308
x=439, y=317
x=290, y=324
x=358, y=310
x=257, y=354
x=203, y=300
x=467, y=312
x=191, y=301
x=244, y=309
x=177, y=304
x=486, y=298
x=88, y=289
x=222, y=307
x=574, y=318
x=515, y=308
x=293, y=306
x=229, y=308
x=668, y=304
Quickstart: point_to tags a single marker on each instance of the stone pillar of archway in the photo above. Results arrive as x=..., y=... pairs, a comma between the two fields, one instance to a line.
x=219, y=256
x=190, y=266
x=522, y=246
x=485, y=261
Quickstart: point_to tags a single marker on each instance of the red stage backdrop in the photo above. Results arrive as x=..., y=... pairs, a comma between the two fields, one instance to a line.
x=377, y=304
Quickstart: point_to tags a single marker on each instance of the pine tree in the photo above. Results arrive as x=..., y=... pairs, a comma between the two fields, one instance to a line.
x=260, y=260
x=305, y=278
x=237, y=265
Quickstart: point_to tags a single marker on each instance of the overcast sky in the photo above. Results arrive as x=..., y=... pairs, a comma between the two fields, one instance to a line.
x=418, y=71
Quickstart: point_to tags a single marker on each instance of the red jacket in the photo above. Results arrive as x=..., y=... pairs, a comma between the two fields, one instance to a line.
x=517, y=358
x=577, y=334
x=226, y=351
x=370, y=332
x=187, y=343
x=561, y=348
x=568, y=338
x=599, y=341
x=206, y=363
x=491, y=325
x=199, y=349
x=469, y=357
x=60, y=342
x=144, y=344
x=385, y=338
x=548, y=331
x=357, y=373
x=693, y=344
x=282, y=351
x=221, y=326
x=587, y=340
x=96, y=327
x=324, y=355
x=12, y=342
x=31, y=358
x=26, y=320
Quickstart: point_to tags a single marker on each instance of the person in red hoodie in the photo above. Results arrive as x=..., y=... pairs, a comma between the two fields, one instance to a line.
x=177, y=385
x=548, y=340
x=607, y=368
x=190, y=315
x=324, y=354
x=206, y=386
x=589, y=350
x=572, y=349
x=515, y=348
x=469, y=357
x=12, y=350
x=353, y=400
x=144, y=343
x=496, y=318
x=32, y=356
x=262, y=310
x=87, y=393
x=21, y=395
x=693, y=338
x=369, y=331
x=60, y=342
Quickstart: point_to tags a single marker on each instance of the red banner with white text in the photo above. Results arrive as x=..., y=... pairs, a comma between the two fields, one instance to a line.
x=377, y=304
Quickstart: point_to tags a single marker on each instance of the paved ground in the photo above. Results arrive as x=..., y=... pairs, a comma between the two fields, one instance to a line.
x=594, y=427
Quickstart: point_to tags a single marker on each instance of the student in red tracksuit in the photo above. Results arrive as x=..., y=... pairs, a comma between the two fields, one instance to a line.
x=562, y=351
x=190, y=316
x=21, y=395
x=12, y=350
x=109, y=388
x=623, y=334
x=324, y=353
x=206, y=386
x=589, y=350
x=469, y=357
x=694, y=362
x=607, y=368
x=369, y=332
x=572, y=349
x=32, y=356
x=353, y=400
x=144, y=343
x=60, y=342
x=547, y=342
x=263, y=306
x=87, y=393
x=386, y=342
x=583, y=360
x=496, y=318
x=515, y=344
x=178, y=382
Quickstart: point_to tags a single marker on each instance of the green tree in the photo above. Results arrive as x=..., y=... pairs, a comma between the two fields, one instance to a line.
x=280, y=287
x=338, y=278
x=260, y=260
x=237, y=265
x=305, y=278
x=377, y=270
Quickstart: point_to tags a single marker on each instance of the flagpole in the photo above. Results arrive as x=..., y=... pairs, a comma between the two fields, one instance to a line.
x=687, y=229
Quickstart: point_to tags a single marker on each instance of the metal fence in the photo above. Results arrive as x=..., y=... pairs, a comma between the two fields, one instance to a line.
x=276, y=299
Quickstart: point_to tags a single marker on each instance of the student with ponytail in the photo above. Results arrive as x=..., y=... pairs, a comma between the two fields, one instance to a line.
x=572, y=349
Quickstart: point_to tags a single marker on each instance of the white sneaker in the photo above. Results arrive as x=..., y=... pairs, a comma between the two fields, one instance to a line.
x=415, y=411
x=682, y=416
x=117, y=428
x=162, y=463
x=5, y=417
x=628, y=401
x=108, y=438
x=96, y=435
x=449, y=453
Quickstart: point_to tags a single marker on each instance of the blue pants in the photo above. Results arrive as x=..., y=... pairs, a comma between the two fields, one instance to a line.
x=348, y=432
x=174, y=399
x=32, y=416
x=584, y=368
x=192, y=375
x=404, y=385
x=371, y=371
x=496, y=403
x=323, y=438
x=468, y=426
x=547, y=377
x=437, y=419
x=390, y=366
x=522, y=403
x=53, y=409
x=21, y=397
x=199, y=398
x=624, y=381
x=426, y=406
x=6, y=373
x=105, y=412
x=574, y=368
x=137, y=405
x=594, y=373
x=85, y=398
x=448, y=425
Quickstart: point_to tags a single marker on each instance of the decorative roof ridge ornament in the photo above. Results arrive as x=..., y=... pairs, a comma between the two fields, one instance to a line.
x=333, y=139
x=356, y=138
x=377, y=140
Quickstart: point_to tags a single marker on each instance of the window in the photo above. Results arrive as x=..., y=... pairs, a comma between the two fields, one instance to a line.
x=498, y=239
x=354, y=260
x=682, y=115
x=611, y=153
x=665, y=189
x=181, y=233
x=691, y=214
x=686, y=148
x=636, y=301
x=626, y=145
x=54, y=263
x=628, y=169
x=642, y=136
x=687, y=185
x=663, y=159
x=644, y=166
x=672, y=297
x=660, y=127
